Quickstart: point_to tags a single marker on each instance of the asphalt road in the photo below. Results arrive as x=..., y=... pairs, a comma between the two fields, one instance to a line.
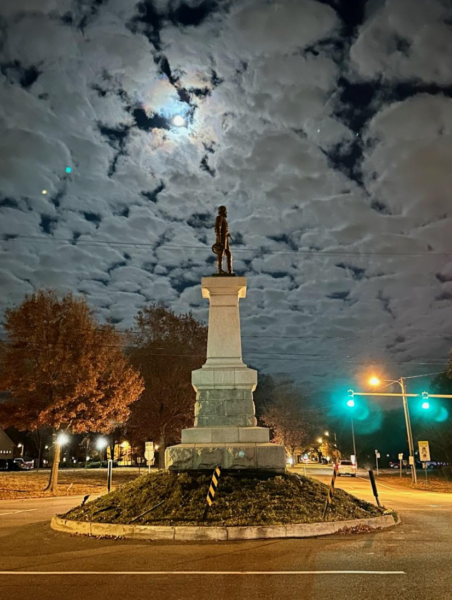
x=412, y=561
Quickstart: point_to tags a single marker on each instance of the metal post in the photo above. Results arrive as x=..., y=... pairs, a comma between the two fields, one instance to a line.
x=376, y=461
x=354, y=444
x=401, y=382
x=401, y=467
x=109, y=475
x=374, y=487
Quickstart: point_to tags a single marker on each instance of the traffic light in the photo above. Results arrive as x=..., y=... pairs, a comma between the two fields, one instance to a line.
x=425, y=403
x=350, y=399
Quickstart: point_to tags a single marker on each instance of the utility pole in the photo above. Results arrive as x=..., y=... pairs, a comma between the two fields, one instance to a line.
x=354, y=443
x=406, y=411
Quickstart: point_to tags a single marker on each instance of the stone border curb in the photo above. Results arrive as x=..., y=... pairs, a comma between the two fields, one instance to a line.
x=182, y=533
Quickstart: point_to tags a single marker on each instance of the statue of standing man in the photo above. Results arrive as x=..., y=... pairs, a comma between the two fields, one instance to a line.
x=221, y=246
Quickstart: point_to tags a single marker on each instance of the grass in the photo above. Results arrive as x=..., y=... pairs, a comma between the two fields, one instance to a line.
x=242, y=498
x=71, y=482
x=436, y=481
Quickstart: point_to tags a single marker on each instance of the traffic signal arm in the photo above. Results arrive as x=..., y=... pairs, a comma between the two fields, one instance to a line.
x=401, y=395
x=393, y=395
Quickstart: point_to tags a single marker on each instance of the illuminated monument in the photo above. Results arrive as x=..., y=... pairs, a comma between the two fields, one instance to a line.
x=225, y=431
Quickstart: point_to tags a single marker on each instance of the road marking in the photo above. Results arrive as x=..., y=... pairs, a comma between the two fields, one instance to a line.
x=15, y=512
x=47, y=573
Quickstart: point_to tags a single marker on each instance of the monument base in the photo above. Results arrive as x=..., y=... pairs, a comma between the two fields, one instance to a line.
x=187, y=457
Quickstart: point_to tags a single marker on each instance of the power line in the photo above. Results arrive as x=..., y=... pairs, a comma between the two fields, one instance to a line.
x=265, y=251
x=274, y=356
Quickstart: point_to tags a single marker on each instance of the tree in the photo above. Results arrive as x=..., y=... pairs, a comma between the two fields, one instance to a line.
x=63, y=370
x=166, y=349
x=283, y=413
x=435, y=425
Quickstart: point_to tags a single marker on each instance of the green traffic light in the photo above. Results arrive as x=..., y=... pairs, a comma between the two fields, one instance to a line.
x=425, y=405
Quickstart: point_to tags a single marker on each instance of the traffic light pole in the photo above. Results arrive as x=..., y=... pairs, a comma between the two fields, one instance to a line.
x=409, y=431
x=354, y=443
x=406, y=411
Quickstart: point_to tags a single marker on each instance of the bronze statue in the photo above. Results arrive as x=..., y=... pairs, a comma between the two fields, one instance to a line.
x=221, y=246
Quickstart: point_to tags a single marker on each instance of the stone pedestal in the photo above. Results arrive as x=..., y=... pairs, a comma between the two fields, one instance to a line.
x=225, y=431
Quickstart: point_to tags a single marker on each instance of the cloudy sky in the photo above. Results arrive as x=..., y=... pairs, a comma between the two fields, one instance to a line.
x=325, y=127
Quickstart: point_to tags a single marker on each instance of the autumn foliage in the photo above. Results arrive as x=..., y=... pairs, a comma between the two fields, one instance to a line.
x=61, y=369
x=166, y=348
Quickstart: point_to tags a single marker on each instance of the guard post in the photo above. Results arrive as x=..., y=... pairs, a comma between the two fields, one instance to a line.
x=330, y=495
x=374, y=487
x=211, y=491
x=109, y=474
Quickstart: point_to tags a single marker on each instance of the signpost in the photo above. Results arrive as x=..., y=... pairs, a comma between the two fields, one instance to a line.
x=424, y=455
x=377, y=456
x=149, y=454
x=424, y=451
x=401, y=463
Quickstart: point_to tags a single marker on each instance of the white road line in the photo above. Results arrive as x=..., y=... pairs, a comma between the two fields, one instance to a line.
x=47, y=573
x=15, y=512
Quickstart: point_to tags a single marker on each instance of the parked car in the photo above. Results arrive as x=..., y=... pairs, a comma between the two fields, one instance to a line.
x=346, y=467
x=24, y=464
x=395, y=464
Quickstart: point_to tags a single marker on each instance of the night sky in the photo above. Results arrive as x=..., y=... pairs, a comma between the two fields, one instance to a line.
x=324, y=126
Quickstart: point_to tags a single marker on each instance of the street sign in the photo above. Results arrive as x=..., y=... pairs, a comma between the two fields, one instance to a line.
x=411, y=460
x=424, y=451
x=401, y=456
x=149, y=451
x=376, y=451
x=377, y=454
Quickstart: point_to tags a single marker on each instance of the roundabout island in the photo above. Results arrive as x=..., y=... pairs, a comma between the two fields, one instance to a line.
x=255, y=496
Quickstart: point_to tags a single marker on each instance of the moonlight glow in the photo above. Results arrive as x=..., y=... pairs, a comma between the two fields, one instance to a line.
x=178, y=121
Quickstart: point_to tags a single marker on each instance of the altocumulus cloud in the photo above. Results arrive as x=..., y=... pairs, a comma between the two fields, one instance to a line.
x=326, y=129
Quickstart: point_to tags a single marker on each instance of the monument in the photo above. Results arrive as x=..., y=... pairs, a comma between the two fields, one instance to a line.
x=225, y=432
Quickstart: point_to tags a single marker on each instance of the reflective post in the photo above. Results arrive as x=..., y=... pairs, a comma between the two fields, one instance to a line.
x=109, y=474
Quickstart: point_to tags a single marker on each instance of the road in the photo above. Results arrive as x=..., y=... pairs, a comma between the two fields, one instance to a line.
x=411, y=561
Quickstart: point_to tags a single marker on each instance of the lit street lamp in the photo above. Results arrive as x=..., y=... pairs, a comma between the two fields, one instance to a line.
x=375, y=381
x=101, y=444
x=62, y=439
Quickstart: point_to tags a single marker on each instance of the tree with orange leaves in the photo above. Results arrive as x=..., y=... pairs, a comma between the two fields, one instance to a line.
x=166, y=349
x=61, y=369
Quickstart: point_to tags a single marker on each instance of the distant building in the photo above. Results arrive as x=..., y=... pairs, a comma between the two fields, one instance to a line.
x=6, y=446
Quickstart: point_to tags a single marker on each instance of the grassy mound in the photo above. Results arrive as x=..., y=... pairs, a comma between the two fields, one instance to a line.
x=242, y=498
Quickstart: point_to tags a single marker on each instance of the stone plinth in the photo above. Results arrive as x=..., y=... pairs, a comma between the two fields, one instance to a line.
x=225, y=431
x=185, y=457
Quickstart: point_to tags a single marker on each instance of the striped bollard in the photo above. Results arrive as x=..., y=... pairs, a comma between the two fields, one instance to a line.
x=212, y=489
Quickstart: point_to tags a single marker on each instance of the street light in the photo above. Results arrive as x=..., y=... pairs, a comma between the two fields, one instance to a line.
x=62, y=439
x=327, y=433
x=401, y=382
x=101, y=443
x=319, y=440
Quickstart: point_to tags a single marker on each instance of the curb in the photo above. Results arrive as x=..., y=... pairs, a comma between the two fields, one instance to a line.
x=184, y=534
